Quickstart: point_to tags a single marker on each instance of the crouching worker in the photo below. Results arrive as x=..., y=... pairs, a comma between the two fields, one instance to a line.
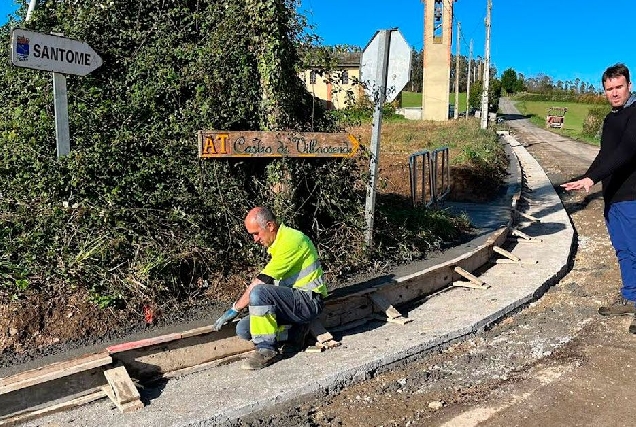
x=297, y=298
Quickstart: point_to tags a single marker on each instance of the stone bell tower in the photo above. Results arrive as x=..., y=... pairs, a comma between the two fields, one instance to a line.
x=438, y=34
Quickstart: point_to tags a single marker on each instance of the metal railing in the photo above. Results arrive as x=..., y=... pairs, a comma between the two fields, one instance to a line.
x=430, y=176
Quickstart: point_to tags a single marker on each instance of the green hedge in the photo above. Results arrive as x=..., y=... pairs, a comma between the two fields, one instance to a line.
x=132, y=214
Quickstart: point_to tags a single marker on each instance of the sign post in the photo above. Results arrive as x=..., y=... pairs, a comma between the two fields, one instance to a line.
x=62, y=132
x=59, y=55
x=385, y=69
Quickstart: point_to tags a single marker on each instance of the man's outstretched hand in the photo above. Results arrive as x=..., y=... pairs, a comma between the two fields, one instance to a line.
x=229, y=315
x=585, y=183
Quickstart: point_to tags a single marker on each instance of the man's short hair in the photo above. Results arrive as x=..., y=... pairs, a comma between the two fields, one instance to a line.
x=614, y=71
x=264, y=215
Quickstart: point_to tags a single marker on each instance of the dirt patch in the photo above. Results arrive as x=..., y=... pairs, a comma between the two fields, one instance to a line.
x=466, y=184
x=34, y=326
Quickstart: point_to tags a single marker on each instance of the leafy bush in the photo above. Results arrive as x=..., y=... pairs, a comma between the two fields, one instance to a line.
x=132, y=214
x=362, y=112
x=593, y=122
x=560, y=96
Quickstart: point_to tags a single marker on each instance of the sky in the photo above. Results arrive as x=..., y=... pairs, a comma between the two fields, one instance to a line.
x=564, y=39
x=6, y=7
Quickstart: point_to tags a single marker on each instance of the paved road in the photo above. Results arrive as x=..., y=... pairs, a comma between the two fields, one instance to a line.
x=580, y=154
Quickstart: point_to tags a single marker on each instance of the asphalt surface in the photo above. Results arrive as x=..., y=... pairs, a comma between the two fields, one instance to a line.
x=223, y=394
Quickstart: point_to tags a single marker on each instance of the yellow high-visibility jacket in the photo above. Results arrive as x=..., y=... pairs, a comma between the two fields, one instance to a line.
x=295, y=262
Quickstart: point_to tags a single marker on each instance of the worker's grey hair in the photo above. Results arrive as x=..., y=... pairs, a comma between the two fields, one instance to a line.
x=614, y=71
x=264, y=215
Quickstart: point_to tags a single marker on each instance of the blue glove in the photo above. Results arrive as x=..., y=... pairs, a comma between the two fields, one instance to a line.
x=227, y=316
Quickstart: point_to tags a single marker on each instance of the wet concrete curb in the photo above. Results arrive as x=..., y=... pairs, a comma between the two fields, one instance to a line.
x=226, y=393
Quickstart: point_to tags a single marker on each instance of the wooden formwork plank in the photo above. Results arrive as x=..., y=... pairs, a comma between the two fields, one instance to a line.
x=505, y=253
x=148, y=342
x=509, y=261
x=338, y=312
x=533, y=240
x=122, y=390
x=527, y=216
x=318, y=330
x=461, y=284
x=24, y=416
x=471, y=278
x=198, y=331
x=148, y=363
x=518, y=233
x=384, y=305
x=53, y=371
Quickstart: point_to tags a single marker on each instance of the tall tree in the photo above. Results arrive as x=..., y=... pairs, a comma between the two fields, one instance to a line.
x=509, y=80
x=417, y=68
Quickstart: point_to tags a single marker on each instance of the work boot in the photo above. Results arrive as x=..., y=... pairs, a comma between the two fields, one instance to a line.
x=632, y=326
x=297, y=339
x=260, y=359
x=620, y=307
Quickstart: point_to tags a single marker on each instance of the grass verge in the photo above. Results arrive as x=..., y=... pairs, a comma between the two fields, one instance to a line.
x=574, y=118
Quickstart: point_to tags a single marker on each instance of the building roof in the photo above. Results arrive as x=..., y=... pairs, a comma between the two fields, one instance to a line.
x=349, y=59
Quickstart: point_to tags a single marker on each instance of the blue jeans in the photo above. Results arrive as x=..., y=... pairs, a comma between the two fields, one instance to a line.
x=621, y=225
x=292, y=306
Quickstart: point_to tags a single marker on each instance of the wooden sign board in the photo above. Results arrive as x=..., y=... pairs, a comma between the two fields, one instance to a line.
x=213, y=144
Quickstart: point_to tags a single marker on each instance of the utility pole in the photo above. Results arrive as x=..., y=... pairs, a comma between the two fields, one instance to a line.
x=478, y=68
x=456, y=114
x=32, y=5
x=468, y=78
x=484, y=95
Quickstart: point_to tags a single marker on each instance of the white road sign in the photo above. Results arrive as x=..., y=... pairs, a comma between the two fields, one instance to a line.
x=399, y=67
x=52, y=53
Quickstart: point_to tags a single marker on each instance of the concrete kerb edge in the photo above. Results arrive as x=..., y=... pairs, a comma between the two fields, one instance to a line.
x=367, y=370
x=342, y=379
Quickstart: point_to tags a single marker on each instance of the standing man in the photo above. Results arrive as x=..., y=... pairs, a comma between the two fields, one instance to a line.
x=295, y=300
x=615, y=167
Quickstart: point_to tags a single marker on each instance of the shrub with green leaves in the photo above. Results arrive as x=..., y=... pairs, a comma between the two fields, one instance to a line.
x=594, y=121
x=132, y=214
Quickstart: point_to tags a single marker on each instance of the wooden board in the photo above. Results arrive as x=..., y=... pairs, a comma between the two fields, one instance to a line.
x=122, y=390
x=220, y=143
x=471, y=277
x=506, y=253
x=148, y=342
x=52, y=392
x=72, y=403
x=53, y=371
x=318, y=330
x=384, y=306
x=147, y=363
